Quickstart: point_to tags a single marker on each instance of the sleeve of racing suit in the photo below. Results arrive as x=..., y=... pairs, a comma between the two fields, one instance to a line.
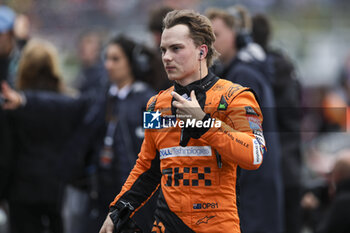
x=144, y=177
x=239, y=138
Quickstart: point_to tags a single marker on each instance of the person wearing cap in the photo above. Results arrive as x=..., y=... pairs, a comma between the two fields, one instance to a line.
x=9, y=57
x=9, y=54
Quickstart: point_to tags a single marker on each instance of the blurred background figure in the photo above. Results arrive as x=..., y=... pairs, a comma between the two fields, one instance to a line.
x=92, y=76
x=9, y=56
x=92, y=80
x=287, y=92
x=116, y=133
x=155, y=23
x=242, y=62
x=22, y=30
x=39, y=68
x=155, y=26
x=9, y=53
x=336, y=102
x=36, y=188
x=337, y=217
x=344, y=80
x=329, y=146
x=44, y=122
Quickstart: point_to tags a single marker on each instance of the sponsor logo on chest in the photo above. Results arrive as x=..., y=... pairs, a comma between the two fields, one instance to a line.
x=191, y=151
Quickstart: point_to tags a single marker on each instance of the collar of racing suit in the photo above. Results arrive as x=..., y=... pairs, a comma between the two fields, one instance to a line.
x=200, y=87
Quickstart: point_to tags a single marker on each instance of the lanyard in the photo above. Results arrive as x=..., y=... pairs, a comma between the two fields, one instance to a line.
x=107, y=154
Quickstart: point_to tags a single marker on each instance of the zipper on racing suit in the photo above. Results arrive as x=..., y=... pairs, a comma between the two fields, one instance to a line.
x=218, y=159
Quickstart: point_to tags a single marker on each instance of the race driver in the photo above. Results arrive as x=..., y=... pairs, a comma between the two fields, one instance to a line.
x=194, y=165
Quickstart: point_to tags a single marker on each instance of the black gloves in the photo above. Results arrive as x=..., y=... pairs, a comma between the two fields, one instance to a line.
x=120, y=216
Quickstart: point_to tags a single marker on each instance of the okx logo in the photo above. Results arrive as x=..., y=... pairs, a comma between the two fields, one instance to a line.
x=151, y=120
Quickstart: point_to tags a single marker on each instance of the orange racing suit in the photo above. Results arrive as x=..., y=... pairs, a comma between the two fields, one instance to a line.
x=198, y=182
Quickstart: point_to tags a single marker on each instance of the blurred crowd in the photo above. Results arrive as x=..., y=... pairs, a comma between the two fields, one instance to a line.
x=67, y=149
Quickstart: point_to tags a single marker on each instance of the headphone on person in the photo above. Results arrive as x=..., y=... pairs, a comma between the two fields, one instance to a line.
x=243, y=34
x=140, y=59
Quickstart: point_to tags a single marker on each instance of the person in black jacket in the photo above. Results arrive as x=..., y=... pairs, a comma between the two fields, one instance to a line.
x=112, y=124
x=261, y=206
x=337, y=220
x=155, y=26
x=92, y=76
x=287, y=92
x=117, y=128
x=9, y=55
x=41, y=129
